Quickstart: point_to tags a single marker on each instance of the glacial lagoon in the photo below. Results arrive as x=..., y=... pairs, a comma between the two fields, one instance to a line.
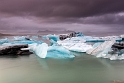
x=82, y=69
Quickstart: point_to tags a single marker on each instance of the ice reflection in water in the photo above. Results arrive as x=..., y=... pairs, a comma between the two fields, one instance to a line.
x=82, y=69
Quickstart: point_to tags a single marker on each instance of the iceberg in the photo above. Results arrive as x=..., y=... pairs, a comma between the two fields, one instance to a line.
x=90, y=38
x=79, y=34
x=75, y=44
x=101, y=39
x=45, y=51
x=6, y=40
x=122, y=36
x=26, y=42
x=53, y=37
x=19, y=38
x=116, y=57
x=59, y=52
x=108, y=49
x=101, y=49
x=39, y=49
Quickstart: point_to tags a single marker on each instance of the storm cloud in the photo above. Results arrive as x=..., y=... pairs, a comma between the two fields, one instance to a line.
x=61, y=8
x=69, y=14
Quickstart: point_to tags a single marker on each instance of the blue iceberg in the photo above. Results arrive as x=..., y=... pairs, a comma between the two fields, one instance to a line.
x=59, y=52
x=45, y=51
x=6, y=40
x=53, y=37
x=27, y=42
x=79, y=34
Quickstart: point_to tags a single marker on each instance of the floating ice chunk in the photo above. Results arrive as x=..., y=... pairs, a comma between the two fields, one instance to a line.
x=53, y=37
x=101, y=49
x=101, y=39
x=19, y=38
x=26, y=42
x=75, y=44
x=116, y=57
x=72, y=40
x=6, y=40
x=43, y=51
x=96, y=44
x=38, y=49
x=79, y=47
x=34, y=37
x=92, y=39
x=122, y=36
x=59, y=52
x=79, y=34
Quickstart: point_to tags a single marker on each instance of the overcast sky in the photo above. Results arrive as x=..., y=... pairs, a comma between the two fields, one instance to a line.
x=80, y=15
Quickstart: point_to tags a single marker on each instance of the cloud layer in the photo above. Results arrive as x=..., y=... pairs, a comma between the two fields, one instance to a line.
x=61, y=8
x=40, y=14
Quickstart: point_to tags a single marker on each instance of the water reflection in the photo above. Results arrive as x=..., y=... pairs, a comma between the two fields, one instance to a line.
x=44, y=62
x=82, y=69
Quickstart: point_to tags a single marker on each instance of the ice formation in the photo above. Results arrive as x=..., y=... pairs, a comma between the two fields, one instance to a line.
x=59, y=52
x=99, y=50
x=90, y=38
x=107, y=50
x=76, y=41
x=45, y=51
x=19, y=38
x=101, y=39
x=6, y=40
x=75, y=44
x=39, y=49
x=53, y=37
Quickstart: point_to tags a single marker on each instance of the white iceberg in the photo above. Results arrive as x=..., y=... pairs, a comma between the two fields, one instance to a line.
x=101, y=39
x=19, y=38
x=101, y=49
x=75, y=44
x=40, y=50
x=116, y=57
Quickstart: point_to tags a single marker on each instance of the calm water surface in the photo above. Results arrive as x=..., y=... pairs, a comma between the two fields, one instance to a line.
x=82, y=69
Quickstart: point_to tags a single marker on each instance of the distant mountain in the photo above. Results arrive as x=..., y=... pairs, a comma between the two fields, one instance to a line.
x=1, y=34
x=54, y=31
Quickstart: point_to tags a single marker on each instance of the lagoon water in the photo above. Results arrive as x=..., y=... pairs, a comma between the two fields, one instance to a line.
x=82, y=69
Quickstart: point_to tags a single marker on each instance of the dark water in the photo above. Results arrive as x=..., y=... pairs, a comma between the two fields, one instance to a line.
x=82, y=69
